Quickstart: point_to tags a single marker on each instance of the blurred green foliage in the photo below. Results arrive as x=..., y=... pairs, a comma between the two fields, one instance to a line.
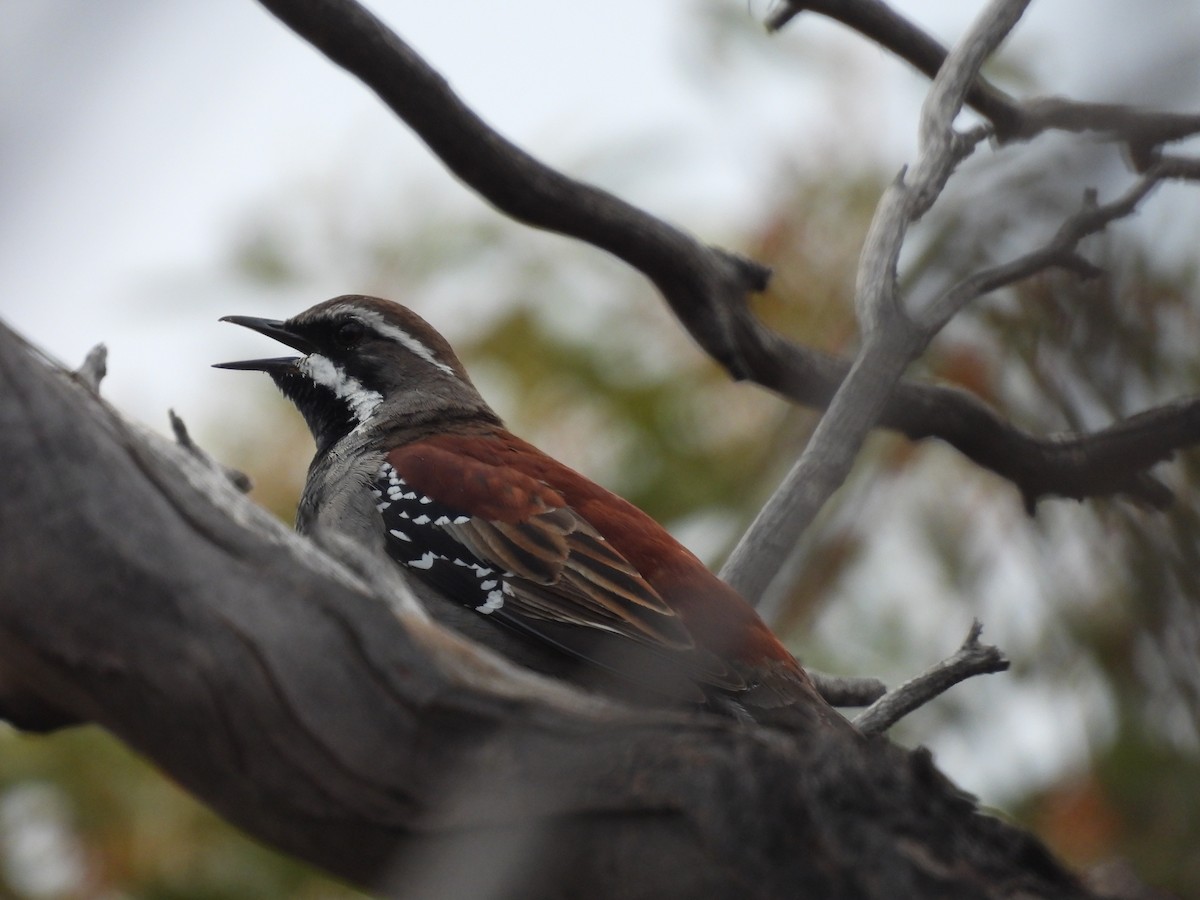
x=82, y=817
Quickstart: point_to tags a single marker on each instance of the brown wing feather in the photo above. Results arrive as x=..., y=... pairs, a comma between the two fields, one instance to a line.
x=559, y=568
x=504, y=545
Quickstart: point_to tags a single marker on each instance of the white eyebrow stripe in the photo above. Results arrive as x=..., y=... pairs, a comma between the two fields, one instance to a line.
x=402, y=337
x=321, y=370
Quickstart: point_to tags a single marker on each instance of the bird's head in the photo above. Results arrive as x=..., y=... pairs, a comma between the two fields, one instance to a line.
x=368, y=365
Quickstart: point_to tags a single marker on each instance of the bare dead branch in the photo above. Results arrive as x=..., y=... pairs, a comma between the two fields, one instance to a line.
x=1143, y=131
x=953, y=82
x=239, y=480
x=890, y=338
x=705, y=281
x=972, y=658
x=1073, y=465
x=325, y=720
x=1113, y=460
x=941, y=149
x=1179, y=168
x=94, y=367
x=1062, y=250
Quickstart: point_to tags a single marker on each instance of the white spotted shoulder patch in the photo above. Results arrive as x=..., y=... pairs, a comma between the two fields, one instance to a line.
x=418, y=537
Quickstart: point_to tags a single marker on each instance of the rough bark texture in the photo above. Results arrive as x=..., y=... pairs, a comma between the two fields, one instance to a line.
x=143, y=593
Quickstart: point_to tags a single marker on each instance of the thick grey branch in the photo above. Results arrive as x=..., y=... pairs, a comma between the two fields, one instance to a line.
x=890, y=341
x=764, y=549
x=771, y=538
x=142, y=592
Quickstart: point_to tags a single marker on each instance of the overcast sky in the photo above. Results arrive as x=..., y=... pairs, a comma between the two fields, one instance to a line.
x=136, y=136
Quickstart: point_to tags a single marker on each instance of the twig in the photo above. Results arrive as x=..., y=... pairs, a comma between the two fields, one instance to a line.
x=1143, y=131
x=972, y=658
x=93, y=368
x=890, y=340
x=238, y=479
x=942, y=148
x=1061, y=251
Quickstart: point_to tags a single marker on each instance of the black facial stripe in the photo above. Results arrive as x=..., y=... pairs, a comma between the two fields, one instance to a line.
x=328, y=417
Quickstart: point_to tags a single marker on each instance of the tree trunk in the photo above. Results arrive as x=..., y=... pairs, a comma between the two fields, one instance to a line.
x=141, y=592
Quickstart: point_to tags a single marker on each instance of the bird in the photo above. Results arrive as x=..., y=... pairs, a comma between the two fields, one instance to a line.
x=518, y=550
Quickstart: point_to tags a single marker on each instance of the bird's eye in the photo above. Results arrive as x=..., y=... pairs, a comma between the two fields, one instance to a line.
x=349, y=334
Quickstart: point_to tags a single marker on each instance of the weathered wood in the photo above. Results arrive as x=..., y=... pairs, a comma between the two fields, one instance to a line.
x=141, y=592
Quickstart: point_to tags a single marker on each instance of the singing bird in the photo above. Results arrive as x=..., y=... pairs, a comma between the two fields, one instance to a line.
x=523, y=553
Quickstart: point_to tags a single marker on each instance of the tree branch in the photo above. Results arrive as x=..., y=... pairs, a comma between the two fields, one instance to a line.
x=972, y=658
x=1143, y=131
x=144, y=593
x=883, y=25
x=890, y=339
x=239, y=480
x=1062, y=250
x=94, y=367
x=764, y=548
x=706, y=280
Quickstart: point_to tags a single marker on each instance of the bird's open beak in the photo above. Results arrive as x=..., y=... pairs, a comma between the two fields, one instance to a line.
x=271, y=328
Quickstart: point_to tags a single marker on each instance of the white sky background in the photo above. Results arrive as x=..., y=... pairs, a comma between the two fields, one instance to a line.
x=137, y=136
